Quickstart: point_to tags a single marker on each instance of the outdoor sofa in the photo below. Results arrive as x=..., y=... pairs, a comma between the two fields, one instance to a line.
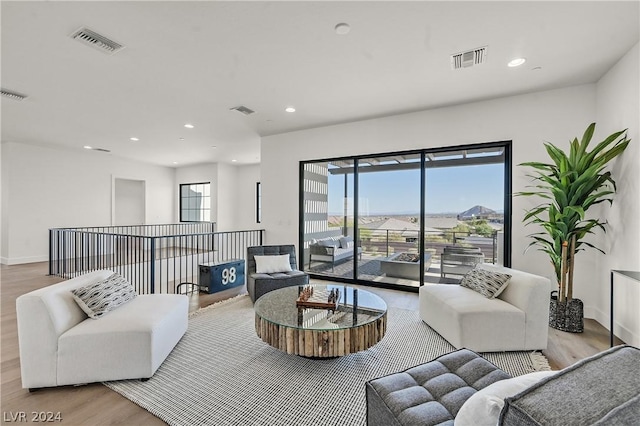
x=333, y=250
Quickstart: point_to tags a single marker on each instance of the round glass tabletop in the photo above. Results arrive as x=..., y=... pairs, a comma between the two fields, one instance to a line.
x=355, y=307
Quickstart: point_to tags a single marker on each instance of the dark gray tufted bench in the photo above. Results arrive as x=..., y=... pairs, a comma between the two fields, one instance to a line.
x=431, y=393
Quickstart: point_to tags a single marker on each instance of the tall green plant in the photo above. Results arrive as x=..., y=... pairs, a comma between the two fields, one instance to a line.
x=569, y=186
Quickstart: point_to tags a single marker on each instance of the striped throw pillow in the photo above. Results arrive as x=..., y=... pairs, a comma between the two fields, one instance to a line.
x=104, y=296
x=488, y=283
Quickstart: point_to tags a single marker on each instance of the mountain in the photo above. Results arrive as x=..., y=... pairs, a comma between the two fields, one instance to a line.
x=476, y=211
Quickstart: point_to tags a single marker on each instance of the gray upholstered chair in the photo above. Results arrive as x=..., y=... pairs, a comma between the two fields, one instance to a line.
x=261, y=283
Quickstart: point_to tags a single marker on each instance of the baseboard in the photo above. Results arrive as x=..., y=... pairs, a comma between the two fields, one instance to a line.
x=624, y=333
x=22, y=260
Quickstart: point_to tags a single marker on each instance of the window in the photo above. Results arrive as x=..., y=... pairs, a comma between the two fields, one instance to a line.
x=401, y=209
x=258, y=202
x=195, y=202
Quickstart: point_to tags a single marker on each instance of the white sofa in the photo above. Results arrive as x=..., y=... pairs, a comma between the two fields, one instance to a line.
x=60, y=345
x=518, y=319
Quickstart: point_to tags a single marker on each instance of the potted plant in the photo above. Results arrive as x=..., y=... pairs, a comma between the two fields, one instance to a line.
x=570, y=185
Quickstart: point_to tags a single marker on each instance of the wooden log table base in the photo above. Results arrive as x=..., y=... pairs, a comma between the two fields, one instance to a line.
x=321, y=343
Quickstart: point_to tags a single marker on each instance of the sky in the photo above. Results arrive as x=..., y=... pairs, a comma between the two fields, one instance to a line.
x=448, y=189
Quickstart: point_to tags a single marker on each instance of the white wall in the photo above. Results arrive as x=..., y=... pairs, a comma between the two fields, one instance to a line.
x=528, y=120
x=194, y=174
x=4, y=202
x=232, y=193
x=618, y=107
x=46, y=188
x=245, y=199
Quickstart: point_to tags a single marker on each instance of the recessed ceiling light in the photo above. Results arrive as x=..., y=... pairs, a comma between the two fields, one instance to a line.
x=188, y=126
x=181, y=139
x=536, y=68
x=175, y=162
x=233, y=161
x=516, y=62
x=134, y=139
x=290, y=109
x=87, y=147
x=213, y=146
x=342, y=28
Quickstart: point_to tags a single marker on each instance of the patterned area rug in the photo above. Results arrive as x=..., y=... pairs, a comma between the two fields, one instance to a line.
x=221, y=373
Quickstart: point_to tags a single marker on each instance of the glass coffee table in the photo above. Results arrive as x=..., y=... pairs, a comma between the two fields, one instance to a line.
x=357, y=321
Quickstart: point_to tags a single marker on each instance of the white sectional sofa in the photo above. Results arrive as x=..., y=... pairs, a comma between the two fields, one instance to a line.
x=60, y=345
x=518, y=319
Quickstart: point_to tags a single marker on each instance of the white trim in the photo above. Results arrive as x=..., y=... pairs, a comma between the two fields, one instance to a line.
x=21, y=260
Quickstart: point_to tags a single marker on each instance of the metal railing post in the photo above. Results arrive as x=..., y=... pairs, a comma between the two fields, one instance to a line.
x=387, y=243
x=152, y=264
x=50, y=251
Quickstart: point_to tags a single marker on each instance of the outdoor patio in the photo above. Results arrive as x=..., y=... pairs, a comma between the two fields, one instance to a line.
x=369, y=269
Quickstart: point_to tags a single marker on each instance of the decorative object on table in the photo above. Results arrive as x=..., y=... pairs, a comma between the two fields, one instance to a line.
x=569, y=186
x=323, y=300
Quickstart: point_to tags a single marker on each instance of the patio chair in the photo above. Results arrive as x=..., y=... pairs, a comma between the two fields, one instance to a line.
x=459, y=260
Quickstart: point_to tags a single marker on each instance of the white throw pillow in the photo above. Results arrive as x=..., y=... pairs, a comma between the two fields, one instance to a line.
x=484, y=406
x=272, y=264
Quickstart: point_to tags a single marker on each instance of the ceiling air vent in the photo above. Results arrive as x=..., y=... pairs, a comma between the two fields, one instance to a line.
x=243, y=109
x=469, y=58
x=12, y=95
x=97, y=41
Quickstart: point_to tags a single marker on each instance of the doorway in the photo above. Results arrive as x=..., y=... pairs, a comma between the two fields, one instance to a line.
x=129, y=202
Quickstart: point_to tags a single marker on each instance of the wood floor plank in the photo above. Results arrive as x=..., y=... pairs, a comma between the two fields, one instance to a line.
x=95, y=404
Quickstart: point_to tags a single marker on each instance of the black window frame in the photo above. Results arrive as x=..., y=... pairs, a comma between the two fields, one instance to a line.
x=507, y=145
x=258, y=202
x=202, y=209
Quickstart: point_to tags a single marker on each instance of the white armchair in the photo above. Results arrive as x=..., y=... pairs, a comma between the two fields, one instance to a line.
x=516, y=320
x=60, y=345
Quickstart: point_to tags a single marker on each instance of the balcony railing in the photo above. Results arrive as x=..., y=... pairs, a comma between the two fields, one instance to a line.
x=385, y=242
x=154, y=258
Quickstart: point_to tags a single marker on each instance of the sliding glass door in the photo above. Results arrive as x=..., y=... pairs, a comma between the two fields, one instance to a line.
x=392, y=220
x=389, y=219
x=464, y=210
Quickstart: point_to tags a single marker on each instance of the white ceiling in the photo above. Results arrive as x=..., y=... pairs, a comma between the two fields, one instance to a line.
x=190, y=62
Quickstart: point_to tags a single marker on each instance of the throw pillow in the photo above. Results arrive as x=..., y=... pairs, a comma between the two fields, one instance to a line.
x=329, y=242
x=483, y=407
x=346, y=242
x=101, y=297
x=272, y=264
x=488, y=283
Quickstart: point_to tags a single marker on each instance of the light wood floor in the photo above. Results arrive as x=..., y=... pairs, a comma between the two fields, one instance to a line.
x=95, y=404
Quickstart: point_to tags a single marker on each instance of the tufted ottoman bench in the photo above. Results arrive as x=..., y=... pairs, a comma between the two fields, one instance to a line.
x=430, y=393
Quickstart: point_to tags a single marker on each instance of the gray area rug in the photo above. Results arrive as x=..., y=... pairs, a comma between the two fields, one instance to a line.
x=221, y=373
